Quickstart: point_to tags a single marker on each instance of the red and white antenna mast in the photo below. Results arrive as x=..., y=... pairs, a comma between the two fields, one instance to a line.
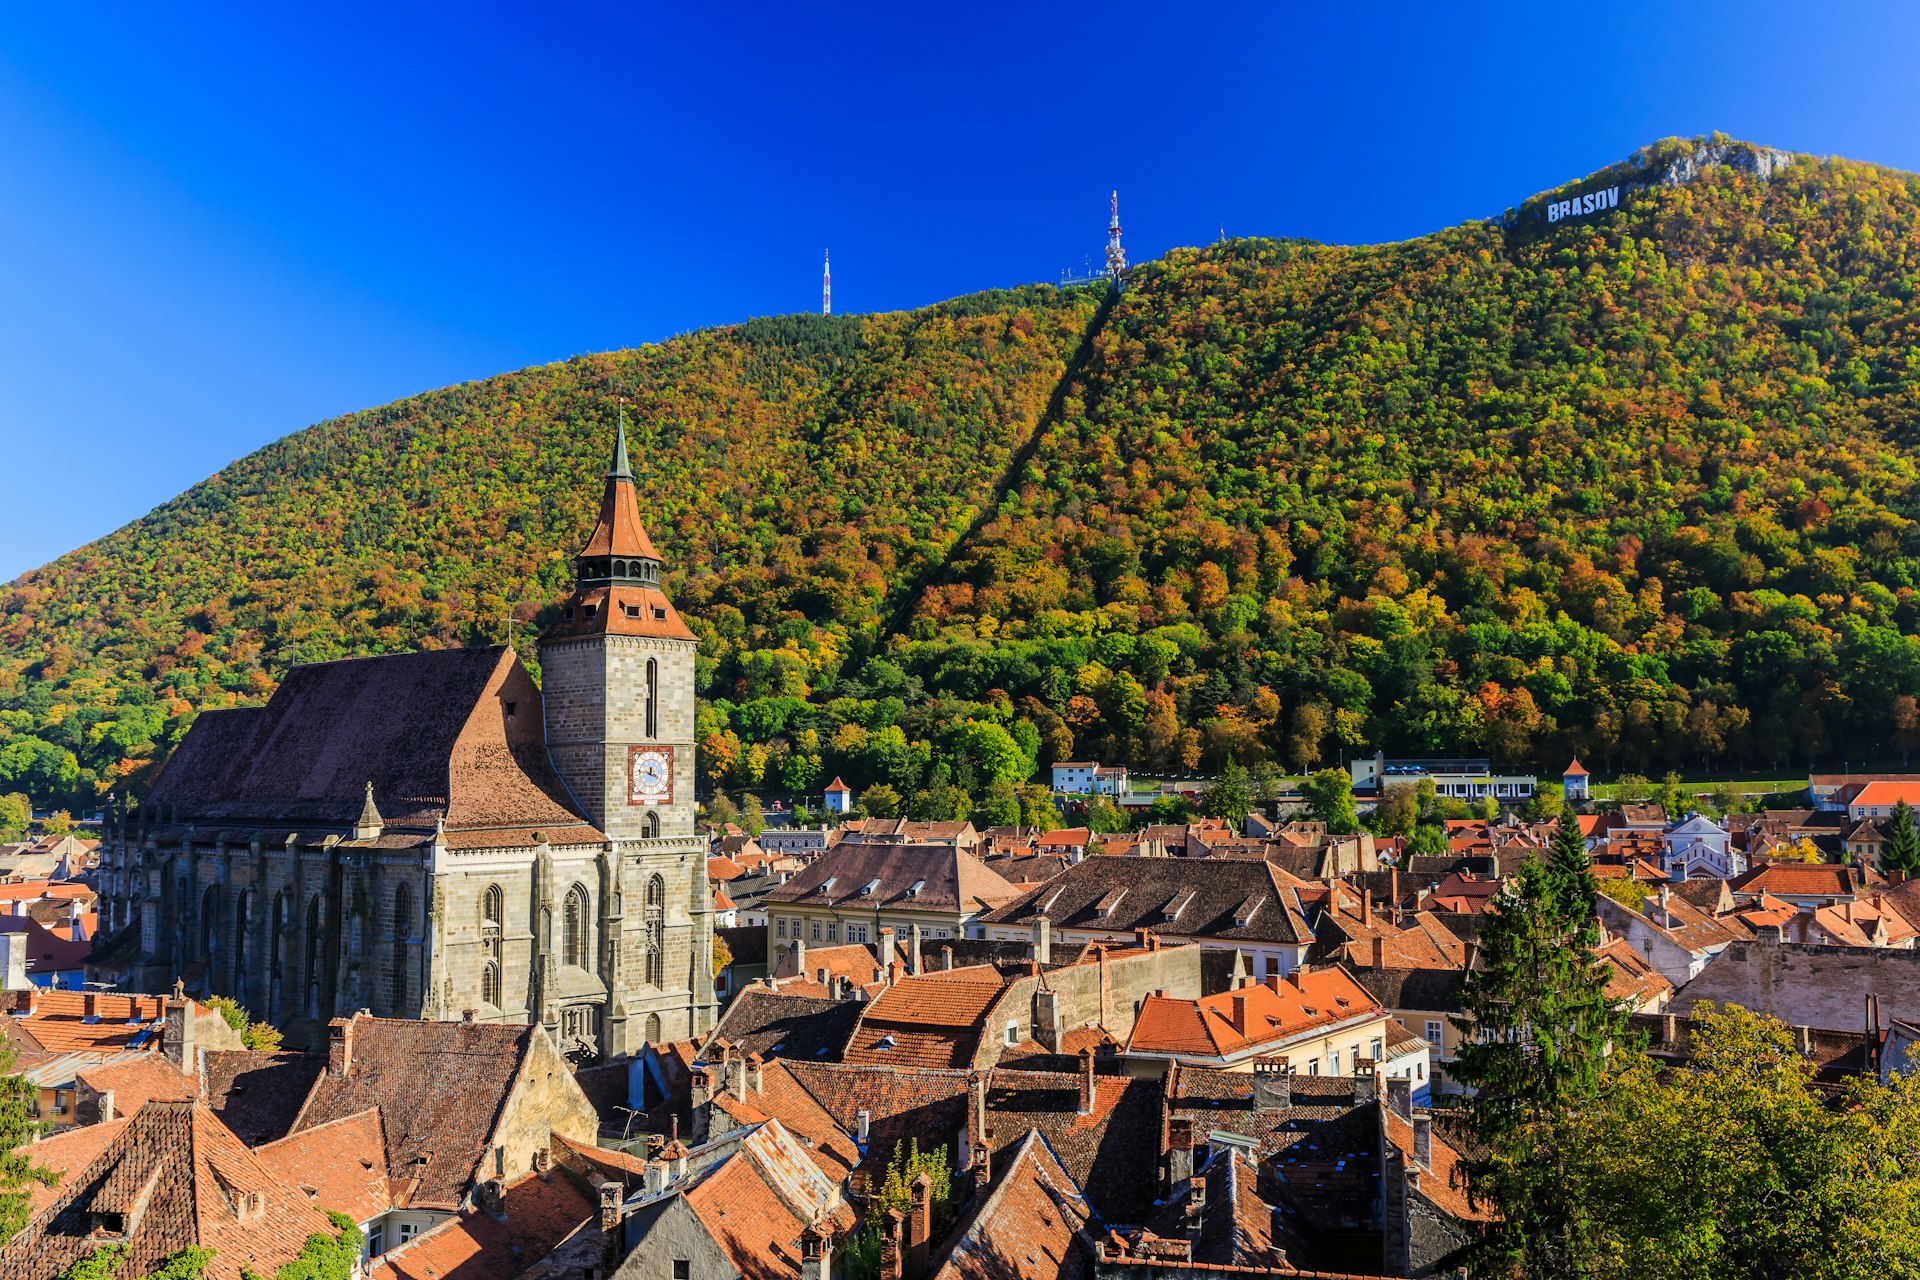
x=1116, y=256
x=826, y=286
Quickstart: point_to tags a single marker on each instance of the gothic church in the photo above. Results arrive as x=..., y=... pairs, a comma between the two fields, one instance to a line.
x=430, y=835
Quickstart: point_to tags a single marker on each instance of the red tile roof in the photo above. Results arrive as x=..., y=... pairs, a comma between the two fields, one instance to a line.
x=1888, y=794
x=1034, y=1224
x=756, y=1203
x=63, y=1152
x=341, y=1165
x=1261, y=1013
x=927, y=1021
x=540, y=1212
x=58, y=1023
x=196, y=1186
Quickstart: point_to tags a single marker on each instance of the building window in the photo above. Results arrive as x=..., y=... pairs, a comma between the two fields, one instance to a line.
x=682, y=1269
x=397, y=961
x=1376, y=1049
x=489, y=989
x=780, y=927
x=653, y=698
x=1313, y=1066
x=1013, y=1033
x=376, y=1241
x=816, y=931
x=650, y=826
x=656, y=916
x=833, y=931
x=573, y=929
x=408, y=1230
x=1436, y=1032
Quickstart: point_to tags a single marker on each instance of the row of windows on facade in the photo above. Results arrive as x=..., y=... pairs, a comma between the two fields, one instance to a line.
x=575, y=934
x=855, y=932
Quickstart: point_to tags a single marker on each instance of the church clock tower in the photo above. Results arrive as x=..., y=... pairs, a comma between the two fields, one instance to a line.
x=617, y=682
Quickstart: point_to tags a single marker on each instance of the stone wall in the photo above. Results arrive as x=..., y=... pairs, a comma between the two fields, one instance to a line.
x=1107, y=993
x=545, y=1100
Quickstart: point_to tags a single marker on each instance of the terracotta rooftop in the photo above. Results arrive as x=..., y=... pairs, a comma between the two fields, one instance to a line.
x=539, y=1212
x=176, y=1178
x=71, y=1148
x=453, y=733
x=58, y=1022
x=777, y=1025
x=1799, y=880
x=1183, y=897
x=440, y=1087
x=756, y=1202
x=1105, y=1150
x=1034, y=1224
x=910, y=877
x=1263, y=1013
x=929, y=1021
x=341, y=1165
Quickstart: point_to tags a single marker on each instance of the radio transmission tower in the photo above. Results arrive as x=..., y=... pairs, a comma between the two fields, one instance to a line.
x=826, y=286
x=1116, y=256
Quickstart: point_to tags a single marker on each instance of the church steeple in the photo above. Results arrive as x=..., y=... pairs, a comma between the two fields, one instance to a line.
x=620, y=470
x=619, y=553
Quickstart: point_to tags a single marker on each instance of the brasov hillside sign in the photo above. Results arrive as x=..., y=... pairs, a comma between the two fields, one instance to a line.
x=1592, y=202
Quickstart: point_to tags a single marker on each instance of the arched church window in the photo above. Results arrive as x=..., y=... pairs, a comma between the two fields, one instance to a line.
x=653, y=1028
x=653, y=698
x=397, y=961
x=656, y=912
x=650, y=825
x=573, y=928
x=490, y=984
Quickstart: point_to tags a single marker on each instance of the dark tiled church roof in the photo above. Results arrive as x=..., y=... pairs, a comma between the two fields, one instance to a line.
x=453, y=733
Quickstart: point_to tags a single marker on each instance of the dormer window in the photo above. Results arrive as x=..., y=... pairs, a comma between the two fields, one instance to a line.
x=659, y=614
x=866, y=890
x=913, y=890
x=589, y=610
x=510, y=706
x=631, y=610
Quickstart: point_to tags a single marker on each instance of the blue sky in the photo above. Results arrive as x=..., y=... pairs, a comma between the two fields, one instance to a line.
x=221, y=224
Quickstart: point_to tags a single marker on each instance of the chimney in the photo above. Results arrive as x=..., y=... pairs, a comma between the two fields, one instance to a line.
x=1366, y=907
x=176, y=1037
x=609, y=1207
x=492, y=1198
x=1196, y=1203
x=1804, y=1036
x=1669, y=1029
x=1142, y=938
x=91, y=1005
x=888, y=941
x=752, y=1075
x=1179, y=1153
x=1046, y=1018
x=1379, y=951
x=1366, y=1081
x=1086, y=1082
x=979, y=1142
x=946, y=957
x=799, y=954
x=13, y=955
x=339, y=1048
x=920, y=1224
x=1400, y=1097
x=1272, y=1084
x=700, y=1100
x=816, y=1252
x=862, y=1126
x=1043, y=939
x=1238, y=1003
x=655, y=1177
x=890, y=1246
x=1423, y=1140
x=913, y=951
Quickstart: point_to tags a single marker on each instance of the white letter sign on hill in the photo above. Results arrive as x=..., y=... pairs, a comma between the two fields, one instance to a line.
x=1592, y=202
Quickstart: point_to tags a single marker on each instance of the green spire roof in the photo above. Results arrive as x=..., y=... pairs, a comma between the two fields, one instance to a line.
x=620, y=470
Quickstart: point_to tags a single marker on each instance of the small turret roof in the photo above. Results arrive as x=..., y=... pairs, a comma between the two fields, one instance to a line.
x=619, y=531
x=1575, y=770
x=837, y=785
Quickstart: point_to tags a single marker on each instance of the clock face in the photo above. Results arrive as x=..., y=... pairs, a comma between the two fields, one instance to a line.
x=649, y=775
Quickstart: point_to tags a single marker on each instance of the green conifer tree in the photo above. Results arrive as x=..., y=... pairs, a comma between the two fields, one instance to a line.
x=1537, y=1030
x=1902, y=851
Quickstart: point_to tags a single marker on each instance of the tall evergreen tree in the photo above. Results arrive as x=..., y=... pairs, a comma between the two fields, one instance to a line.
x=1538, y=1027
x=19, y=1171
x=1902, y=852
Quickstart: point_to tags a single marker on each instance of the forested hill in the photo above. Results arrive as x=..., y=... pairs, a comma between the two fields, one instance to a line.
x=1635, y=483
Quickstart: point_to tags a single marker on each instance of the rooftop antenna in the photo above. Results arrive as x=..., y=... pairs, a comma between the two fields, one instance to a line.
x=826, y=285
x=1116, y=256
